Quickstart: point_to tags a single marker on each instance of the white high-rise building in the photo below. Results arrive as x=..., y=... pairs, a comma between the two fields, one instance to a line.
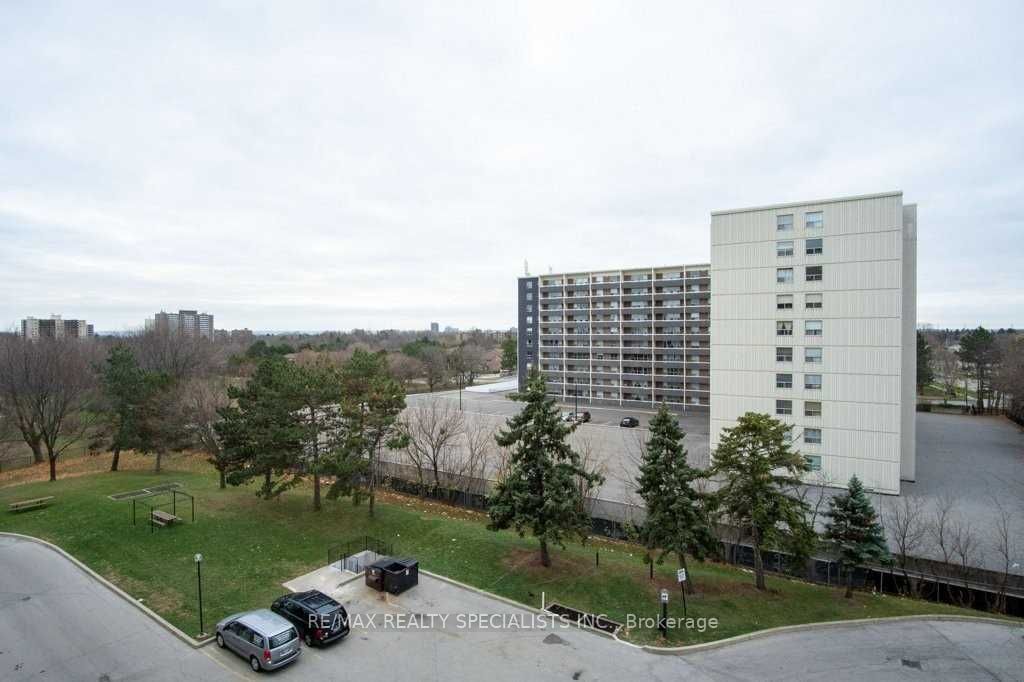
x=813, y=320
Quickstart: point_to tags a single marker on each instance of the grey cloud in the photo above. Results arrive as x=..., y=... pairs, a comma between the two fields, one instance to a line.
x=337, y=165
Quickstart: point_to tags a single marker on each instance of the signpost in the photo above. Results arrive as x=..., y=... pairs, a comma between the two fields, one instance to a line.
x=681, y=578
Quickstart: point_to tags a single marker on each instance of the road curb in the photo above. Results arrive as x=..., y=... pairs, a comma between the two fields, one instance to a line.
x=191, y=641
x=513, y=603
x=830, y=624
x=737, y=639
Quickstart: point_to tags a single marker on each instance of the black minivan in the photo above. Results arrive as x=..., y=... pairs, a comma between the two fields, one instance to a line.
x=319, y=618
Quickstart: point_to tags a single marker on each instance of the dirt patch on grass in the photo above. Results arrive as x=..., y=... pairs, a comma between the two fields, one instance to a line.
x=708, y=588
x=87, y=465
x=428, y=506
x=562, y=565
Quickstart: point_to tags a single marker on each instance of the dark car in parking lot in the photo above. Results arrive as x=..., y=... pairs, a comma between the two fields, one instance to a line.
x=629, y=422
x=319, y=619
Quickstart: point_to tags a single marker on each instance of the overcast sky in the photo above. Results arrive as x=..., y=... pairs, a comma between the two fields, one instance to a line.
x=357, y=165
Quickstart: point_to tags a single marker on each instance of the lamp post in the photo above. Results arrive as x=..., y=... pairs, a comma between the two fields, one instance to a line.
x=199, y=581
x=460, y=392
x=663, y=623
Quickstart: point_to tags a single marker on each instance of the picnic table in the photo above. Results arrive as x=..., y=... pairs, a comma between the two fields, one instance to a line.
x=34, y=503
x=162, y=518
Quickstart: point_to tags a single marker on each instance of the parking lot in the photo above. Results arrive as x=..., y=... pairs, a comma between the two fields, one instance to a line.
x=976, y=460
x=613, y=450
x=440, y=631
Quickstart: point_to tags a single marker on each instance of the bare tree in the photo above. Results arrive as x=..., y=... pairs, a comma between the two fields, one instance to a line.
x=940, y=528
x=905, y=521
x=434, y=429
x=968, y=552
x=467, y=361
x=177, y=356
x=405, y=369
x=436, y=367
x=45, y=388
x=1005, y=545
x=946, y=366
x=590, y=463
x=202, y=400
x=478, y=450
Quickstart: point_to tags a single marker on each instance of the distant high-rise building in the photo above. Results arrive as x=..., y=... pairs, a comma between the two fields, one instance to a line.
x=435, y=327
x=187, y=322
x=55, y=327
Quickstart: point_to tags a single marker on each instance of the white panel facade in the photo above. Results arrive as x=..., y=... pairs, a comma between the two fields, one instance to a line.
x=813, y=306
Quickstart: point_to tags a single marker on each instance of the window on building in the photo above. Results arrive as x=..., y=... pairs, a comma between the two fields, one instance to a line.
x=783, y=354
x=812, y=408
x=529, y=284
x=812, y=382
x=529, y=319
x=784, y=275
x=814, y=220
x=812, y=301
x=814, y=246
x=812, y=355
x=784, y=301
x=784, y=248
x=812, y=436
x=784, y=223
x=783, y=407
x=529, y=295
x=813, y=273
x=813, y=462
x=812, y=327
x=783, y=381
x=784, y=328
x=787, y=435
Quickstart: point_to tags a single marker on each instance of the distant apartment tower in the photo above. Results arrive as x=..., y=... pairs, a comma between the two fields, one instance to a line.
x=813, y=316
x=635, y=337
x=186, y=322
x=435, y=327
x=55, y=327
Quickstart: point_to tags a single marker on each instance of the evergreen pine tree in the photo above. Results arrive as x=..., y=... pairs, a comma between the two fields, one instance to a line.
x=263, y=433
x=675, y=520
x=854, y=531
x=123, y=385
x=760, y=474
x=539, y=493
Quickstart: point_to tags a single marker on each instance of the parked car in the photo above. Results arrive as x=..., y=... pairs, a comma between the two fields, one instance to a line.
x=629, y=422
x=265, y=638
x=568, y=416
x=318, y=618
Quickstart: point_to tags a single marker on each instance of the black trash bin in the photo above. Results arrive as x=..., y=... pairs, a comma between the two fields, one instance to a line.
x=393, y=575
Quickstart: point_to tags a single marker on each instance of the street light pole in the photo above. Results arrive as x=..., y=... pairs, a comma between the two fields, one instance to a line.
x=199, y=581
x=663, y=624
x=460, y=393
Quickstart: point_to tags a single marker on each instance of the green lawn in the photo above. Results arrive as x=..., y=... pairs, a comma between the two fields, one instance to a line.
x=251, y=547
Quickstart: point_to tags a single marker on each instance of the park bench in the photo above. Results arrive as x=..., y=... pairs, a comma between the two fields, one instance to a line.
x=24, y=505
x=162, y=518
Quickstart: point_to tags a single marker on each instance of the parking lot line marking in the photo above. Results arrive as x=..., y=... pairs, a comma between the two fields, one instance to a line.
x=217, y=659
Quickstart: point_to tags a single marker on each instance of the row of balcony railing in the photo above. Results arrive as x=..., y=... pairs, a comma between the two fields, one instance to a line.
x=615, y=279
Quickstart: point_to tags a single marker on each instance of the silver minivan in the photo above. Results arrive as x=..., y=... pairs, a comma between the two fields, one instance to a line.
x=266, y=639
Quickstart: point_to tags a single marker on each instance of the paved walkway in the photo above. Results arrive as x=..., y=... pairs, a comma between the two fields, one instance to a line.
x=58, y=623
